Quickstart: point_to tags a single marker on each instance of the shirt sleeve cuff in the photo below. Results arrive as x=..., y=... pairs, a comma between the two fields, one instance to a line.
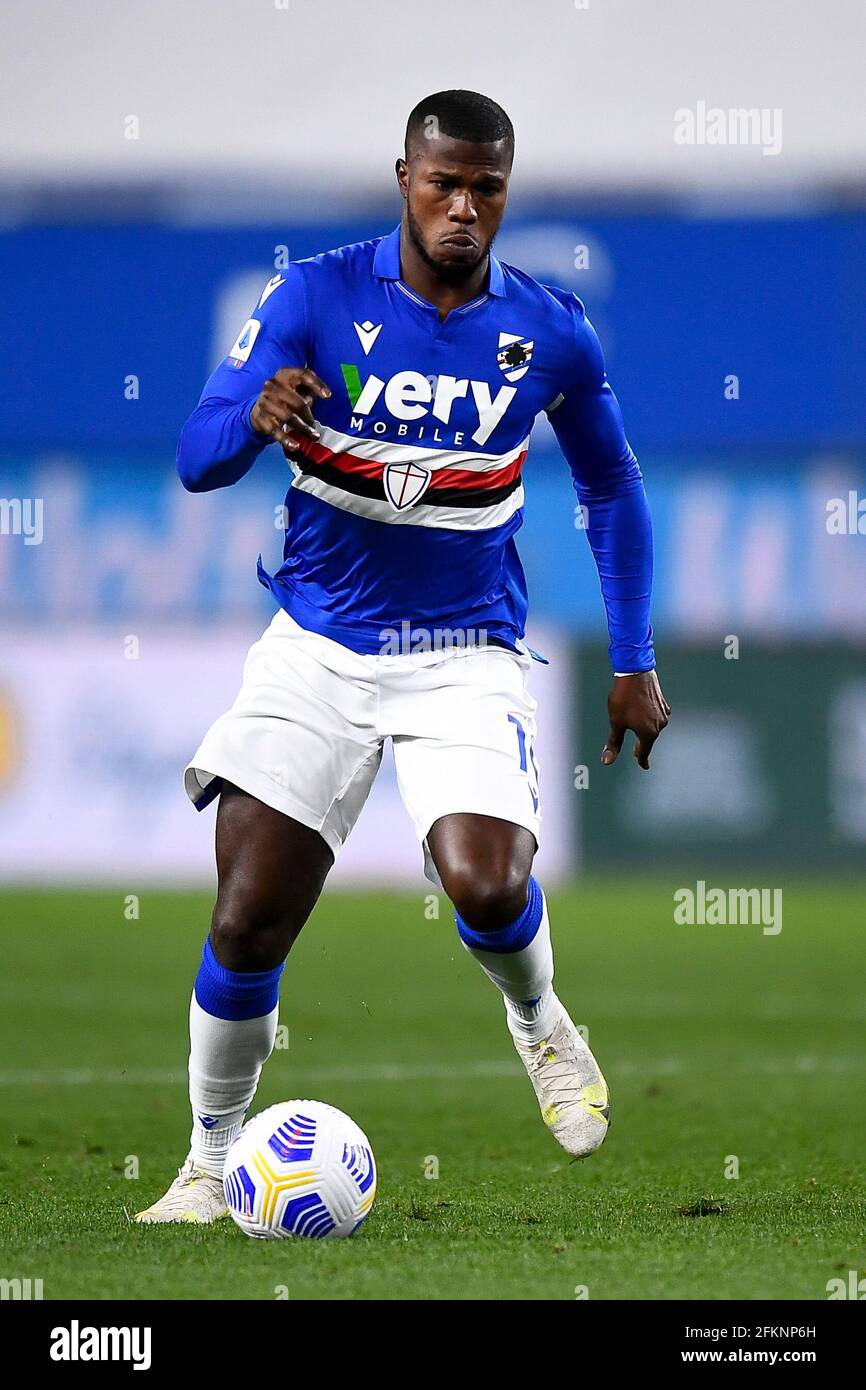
x=247, y=425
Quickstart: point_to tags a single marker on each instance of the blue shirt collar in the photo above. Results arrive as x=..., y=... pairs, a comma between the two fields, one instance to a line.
x=386, y=264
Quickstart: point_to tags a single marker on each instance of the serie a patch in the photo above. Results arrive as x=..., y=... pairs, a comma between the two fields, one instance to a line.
x=244, y=343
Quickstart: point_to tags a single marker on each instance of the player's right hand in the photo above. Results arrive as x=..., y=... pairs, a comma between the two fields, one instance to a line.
x=284, y=407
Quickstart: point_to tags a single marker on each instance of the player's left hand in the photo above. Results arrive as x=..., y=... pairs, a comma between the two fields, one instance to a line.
x=635, y=703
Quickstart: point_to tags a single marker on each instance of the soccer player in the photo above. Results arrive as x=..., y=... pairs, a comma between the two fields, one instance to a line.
x=401, y=377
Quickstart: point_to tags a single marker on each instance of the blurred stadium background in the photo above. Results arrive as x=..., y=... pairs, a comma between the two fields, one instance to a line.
x=148, y=180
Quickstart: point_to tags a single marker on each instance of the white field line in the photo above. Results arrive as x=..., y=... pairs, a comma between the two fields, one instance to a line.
x=395, y=1071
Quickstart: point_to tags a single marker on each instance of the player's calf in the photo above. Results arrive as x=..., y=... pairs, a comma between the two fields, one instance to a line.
x=271, y=870
x=568, y=1083
x=484, y=865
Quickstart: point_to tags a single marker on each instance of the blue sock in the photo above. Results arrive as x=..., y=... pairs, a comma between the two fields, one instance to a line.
x=232, y=1029
x=235, y=994
x=514, y=937
x=518, y=959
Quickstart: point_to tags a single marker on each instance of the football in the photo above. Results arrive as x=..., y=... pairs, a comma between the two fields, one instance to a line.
x=300, y=1168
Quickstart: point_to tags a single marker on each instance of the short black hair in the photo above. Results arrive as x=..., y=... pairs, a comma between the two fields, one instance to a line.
x=461, y=116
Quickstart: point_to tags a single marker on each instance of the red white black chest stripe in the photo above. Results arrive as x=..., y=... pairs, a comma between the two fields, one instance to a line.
x=391, y=482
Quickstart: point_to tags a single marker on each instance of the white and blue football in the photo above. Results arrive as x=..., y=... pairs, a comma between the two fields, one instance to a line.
x=300, y=1168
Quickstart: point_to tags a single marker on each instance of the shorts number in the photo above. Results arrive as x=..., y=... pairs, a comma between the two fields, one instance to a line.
x=524, y=763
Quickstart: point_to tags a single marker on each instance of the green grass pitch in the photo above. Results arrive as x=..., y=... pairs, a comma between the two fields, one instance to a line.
x=719, y=1044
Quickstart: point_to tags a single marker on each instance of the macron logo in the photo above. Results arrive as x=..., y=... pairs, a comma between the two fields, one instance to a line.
x=273, y=284
x=367, y=333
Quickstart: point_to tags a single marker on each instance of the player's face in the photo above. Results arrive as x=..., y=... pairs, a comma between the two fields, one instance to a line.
x=455, y=197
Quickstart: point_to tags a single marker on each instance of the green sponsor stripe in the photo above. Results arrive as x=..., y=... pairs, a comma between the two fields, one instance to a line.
x=353, y=381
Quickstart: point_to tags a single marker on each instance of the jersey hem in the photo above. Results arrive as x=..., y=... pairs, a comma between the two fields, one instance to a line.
x=372, y=641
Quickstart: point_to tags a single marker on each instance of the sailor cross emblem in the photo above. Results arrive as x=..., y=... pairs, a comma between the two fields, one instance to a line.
x=404, y=483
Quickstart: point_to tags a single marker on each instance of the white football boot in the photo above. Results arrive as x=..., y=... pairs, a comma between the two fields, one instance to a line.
x=195, y=1197
x=571, y=1090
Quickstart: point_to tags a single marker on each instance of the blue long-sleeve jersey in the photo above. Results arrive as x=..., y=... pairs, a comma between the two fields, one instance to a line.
x=405, y=510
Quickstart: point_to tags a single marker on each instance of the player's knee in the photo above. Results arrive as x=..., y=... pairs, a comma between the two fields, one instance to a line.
x=248, y=934
x=487, y=901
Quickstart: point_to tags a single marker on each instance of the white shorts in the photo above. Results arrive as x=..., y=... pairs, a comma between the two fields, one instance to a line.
x=306, y=732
